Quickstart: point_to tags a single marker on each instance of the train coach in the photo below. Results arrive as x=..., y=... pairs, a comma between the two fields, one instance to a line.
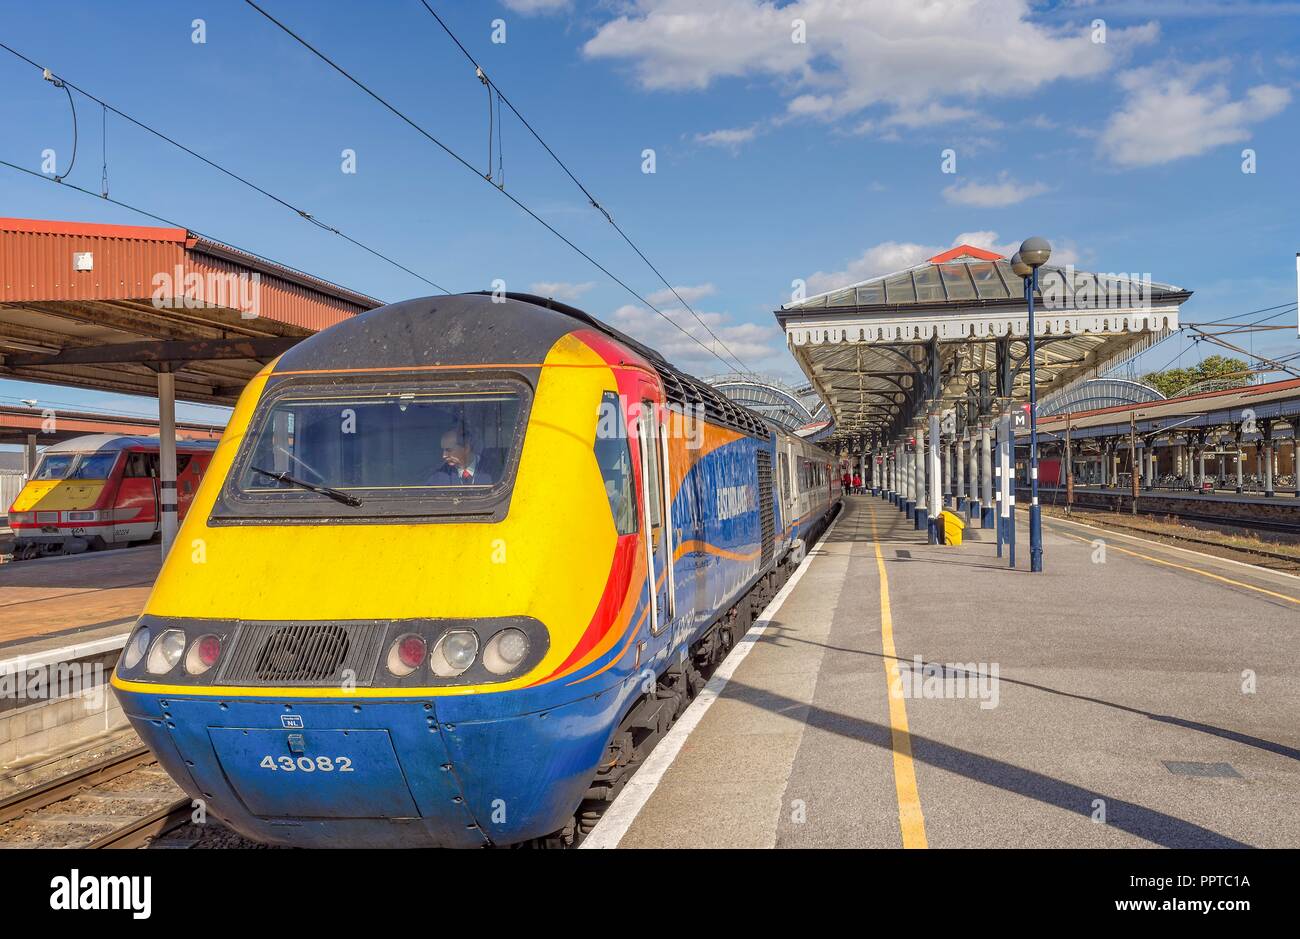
x=464, y=560
x=98, y=491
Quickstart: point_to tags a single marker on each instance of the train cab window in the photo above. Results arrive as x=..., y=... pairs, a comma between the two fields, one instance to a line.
x=94, y=466
x=783, y=465
x=425, y=448
x=614, y=457
x=54, y=466
x=137, y=466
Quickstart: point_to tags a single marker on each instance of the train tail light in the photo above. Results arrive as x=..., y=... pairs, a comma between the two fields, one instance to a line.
x=203, y=654
x=406, y=653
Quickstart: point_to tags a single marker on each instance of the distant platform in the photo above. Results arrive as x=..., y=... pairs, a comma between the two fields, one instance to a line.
x=59, y=601
x=1108, y=702
x=1282, y=496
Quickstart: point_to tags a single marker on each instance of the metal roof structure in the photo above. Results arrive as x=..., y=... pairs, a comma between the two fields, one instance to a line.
x=788, y=407
x=1098, y=393
x=110, y=306
x=1231, y=407
x=888, y=351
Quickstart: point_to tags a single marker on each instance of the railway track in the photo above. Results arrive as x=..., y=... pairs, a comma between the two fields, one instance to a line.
x=123, y=801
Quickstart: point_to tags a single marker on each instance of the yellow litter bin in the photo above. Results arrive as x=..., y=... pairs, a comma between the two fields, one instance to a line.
x=952, y=527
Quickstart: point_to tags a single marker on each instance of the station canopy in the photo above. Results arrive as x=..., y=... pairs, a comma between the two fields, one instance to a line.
x=790, y=407
x=110, y=307
x=886, y=352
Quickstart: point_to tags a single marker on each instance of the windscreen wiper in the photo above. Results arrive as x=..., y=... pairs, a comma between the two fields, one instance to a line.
x=334, y=494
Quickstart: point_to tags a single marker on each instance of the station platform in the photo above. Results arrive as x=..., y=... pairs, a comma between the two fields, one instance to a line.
x=53, y=602
x=1107, y=702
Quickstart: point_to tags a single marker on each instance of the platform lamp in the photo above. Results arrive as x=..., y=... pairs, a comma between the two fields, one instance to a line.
x=1032, y=255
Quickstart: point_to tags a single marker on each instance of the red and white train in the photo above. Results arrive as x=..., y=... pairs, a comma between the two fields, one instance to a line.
x=100, y=490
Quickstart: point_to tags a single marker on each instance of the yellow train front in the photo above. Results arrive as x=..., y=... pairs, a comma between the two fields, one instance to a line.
x=426, y=579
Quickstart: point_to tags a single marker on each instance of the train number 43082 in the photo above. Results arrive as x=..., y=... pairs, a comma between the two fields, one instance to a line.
x=307, y=764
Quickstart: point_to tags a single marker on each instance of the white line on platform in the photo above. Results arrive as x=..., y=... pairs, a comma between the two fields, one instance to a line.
x=613, y=825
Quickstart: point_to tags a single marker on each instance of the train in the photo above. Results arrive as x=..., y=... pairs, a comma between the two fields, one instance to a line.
x=99, y=491
x=457, y=563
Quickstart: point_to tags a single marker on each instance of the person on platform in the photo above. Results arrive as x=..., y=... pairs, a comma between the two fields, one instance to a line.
x=857, y=482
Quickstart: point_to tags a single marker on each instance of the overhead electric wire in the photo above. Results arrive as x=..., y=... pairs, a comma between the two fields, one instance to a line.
x=469, y=166
x=59, y=83
x=1234, y=327
x=216, y=166
x=501, y=96
x=1236, y=316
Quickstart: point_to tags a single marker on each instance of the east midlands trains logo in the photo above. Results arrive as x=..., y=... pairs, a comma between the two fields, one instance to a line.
x=734, y=501
x=78, y=892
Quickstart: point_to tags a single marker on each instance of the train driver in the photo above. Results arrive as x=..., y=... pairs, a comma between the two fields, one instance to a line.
x=461, y=463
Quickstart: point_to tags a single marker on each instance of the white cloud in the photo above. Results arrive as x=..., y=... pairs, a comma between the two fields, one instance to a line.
x=759, y=346
x=1178, y=111
x=533, y=7
x=1004, y=192
x=890, y=256
x=688, y=294
x=910, y=58
x=730, y=137
x=561, y=290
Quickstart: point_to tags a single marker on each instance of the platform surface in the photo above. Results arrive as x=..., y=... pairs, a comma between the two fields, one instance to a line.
x=1119, y=691
x=60, y=600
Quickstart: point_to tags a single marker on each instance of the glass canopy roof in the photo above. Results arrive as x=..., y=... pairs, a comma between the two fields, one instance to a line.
x=966, y=279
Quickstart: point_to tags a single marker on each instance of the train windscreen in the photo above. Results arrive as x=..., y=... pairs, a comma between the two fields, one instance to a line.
x=54, y=466
x=94, y=466
x=381, y=450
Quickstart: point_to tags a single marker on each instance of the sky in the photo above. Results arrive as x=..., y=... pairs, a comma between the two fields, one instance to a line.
x=791, y=142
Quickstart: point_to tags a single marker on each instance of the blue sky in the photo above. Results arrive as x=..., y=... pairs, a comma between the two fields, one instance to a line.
x=775, y=160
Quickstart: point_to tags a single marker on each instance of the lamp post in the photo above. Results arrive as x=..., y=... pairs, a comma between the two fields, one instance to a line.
x=1032, y=255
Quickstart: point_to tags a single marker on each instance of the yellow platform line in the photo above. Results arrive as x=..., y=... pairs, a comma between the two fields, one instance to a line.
x=911, y=821
x=1182, y=567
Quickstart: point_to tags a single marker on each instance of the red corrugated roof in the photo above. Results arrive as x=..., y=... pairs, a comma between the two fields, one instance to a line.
x=36, y=266
x=39, y=226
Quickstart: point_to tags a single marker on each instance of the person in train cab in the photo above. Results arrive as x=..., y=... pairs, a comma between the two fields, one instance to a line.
x=461, y=463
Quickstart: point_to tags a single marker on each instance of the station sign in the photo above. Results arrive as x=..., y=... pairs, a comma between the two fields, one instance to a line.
x=1020, y=417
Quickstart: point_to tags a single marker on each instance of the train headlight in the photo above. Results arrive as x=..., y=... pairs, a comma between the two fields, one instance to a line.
x=405, y=654
x=454, y=653
x=136, y=648
x=505, y=651
x=165, y=652
x=203, y=654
